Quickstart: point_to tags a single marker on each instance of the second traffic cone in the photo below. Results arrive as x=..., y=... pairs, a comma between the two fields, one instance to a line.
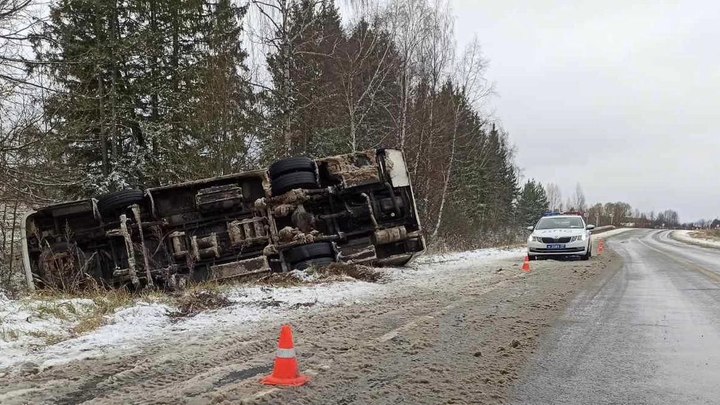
x=526, y=265
x=601, y=247
x=286, y=371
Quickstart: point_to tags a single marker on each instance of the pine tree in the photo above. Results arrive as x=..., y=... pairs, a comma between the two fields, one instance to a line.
x=150, y=92
x=532, y=203
x=93, y=118
x=304, y=103
x=223, y=118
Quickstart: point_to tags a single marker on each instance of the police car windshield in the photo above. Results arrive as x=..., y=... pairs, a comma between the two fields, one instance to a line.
x=560, y=223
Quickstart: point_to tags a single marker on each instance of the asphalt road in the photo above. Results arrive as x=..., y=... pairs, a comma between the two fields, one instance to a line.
x=648, y=333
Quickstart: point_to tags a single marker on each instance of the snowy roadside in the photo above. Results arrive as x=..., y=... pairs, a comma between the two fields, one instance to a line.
x=39, y=332
x=610, y=233
x=689, y=237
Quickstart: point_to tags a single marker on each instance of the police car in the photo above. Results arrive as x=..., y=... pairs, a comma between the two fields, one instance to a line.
x=557, y=235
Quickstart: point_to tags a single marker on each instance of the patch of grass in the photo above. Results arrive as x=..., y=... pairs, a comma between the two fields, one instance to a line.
x=53, y=304
x=64, y=311
x=48, y=338
x=9, y=335
x=199, y=298
x=713, y=234
x=106, y=303
x=88, y=324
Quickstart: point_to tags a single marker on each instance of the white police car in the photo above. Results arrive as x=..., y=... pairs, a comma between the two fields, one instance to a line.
x=560, y=235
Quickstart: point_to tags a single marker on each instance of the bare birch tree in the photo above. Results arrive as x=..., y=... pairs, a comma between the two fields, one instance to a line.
x=472, y=88
x=554, y=197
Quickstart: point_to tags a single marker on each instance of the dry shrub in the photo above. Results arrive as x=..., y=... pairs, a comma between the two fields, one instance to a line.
x=192, y=302
x=510, y=237
x=66, y=269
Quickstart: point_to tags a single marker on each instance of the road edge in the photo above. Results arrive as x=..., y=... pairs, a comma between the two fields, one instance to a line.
x=680, y=237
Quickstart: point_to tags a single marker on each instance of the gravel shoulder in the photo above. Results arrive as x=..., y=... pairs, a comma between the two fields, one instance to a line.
x=453, y=330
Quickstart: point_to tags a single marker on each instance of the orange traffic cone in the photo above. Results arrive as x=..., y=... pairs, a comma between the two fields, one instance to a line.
x=601, y=247
x=526, y=265
x=286, y=371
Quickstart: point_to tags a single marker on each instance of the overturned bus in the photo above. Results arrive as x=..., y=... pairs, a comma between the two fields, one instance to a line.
x=354, y=208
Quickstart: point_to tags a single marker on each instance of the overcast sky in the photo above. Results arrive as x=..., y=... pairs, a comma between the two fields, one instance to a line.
x=621, y=96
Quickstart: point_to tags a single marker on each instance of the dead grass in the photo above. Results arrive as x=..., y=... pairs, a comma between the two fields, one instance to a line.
x=711, y=234
x=9, y=335
x=277, y=280
x=55, y=304
x=198, y=298
x=48, y=338
x=65, y=311
x=354, y=271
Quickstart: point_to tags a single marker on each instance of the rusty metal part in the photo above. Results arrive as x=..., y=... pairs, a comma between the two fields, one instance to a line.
x=177, y=239
x=354, y=169
x=296, y=196
x=270, y=250
x=390, y=235
x=146, y=262
x=293, y=237
x=305, y=221
x=306, y=240
x=371, y=210
x=153, y=210
x=125, y=232
x=292, y=197
x=283, y=210
x=246, y=232
x=395, y=260
x=357, y=254
x=240, y=268
x=290, y=234
x=222, y=197
x=204, y=248
x=256, y=174
x=287, y=234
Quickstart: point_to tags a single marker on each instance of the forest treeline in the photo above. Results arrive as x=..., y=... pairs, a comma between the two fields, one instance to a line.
x=536, y=199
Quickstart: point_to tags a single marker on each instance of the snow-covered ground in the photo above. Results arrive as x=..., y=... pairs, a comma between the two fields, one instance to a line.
x=610, y=233
x=690, y=237
x=26, y=325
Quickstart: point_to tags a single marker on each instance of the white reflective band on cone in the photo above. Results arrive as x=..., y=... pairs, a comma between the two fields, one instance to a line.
x=285, y=353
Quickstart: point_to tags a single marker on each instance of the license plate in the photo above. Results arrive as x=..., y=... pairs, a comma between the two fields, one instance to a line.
x=556, y=246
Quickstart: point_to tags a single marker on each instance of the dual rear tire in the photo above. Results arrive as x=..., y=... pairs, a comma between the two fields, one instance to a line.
x=312, y=254
x=292, y=173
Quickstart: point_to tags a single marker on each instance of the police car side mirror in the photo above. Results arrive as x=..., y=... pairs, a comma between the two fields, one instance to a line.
x=590, y=227
x=530, y=228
